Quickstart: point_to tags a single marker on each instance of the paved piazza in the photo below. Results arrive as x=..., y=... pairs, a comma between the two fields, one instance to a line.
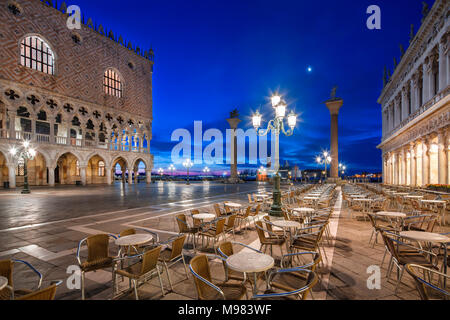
x=44, y=229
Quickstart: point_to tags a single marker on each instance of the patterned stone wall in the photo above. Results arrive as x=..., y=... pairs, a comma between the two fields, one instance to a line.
x=79, y=67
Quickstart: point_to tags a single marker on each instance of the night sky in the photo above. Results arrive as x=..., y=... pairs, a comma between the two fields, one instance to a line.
x=212, y=56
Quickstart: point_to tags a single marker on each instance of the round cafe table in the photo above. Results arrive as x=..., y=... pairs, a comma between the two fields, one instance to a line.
x=204, y=216
x=233, y=205
x=430, y=237
x=414, y=197
x=134, y=240
x=304, y=210
x=250, y=262
x=286, y=224
x=391, y=214
x=3, y=283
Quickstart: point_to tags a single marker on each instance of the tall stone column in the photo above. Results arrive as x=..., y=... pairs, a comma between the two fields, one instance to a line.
x=412, y=165
x=404, y=104
x=130, y=176
x=442, y=64
x=108, y=172
x=83, y=175
x=425, y=162
x=148, y=176
x=52, y=131
x=233, y=121
x=12, y=126
x=442, y=158
x=397, y=111
x=425, y=84
x=413, y=92
x=12, y=176
x=404, y=168
x=51, y=176
x=334, y=105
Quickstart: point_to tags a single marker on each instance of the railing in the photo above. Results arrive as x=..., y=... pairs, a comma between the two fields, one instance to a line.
x=42, y=138
x=61, y=140
x=45, y=139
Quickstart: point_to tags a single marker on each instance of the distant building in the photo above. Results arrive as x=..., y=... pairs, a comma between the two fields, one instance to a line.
x=416, y=107
x=82, y=97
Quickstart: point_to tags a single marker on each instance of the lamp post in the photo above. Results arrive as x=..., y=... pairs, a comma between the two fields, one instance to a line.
x=206, y=170
x=188, y=164
x=25, y=152
x=171, y=168
x=276, y=125
x=160, y=171
x=324, y=159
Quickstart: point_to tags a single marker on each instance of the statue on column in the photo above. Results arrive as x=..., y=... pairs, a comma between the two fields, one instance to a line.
x=233, y=121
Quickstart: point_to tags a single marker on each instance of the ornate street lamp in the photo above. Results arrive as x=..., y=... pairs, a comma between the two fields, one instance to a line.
x=188, y=164
x=171, y=168
x=276, y=125
x=160, y=171
x=206, y=170
x=25, y=152
x=324, y=159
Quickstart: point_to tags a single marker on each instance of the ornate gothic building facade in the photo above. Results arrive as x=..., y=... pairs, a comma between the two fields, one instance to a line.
x=416, y=106
x=82, y=97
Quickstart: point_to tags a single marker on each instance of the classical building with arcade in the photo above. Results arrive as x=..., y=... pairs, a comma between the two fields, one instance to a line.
x=82, y=98
x=416, y=106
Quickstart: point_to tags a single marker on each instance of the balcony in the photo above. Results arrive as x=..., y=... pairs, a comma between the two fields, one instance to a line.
x=44, y=139
x=440, y=96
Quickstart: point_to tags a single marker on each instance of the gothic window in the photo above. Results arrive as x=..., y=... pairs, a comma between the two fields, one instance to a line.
x=101, y=169
x=20, y=170
x=36, y=54
x=112, y=84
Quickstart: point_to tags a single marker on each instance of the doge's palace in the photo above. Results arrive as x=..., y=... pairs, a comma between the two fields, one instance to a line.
x=82, y=98
x=416, y=107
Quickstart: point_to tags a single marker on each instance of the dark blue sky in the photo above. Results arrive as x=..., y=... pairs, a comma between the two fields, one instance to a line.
x=212, y=56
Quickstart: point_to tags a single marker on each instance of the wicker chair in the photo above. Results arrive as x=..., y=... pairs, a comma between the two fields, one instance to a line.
x=98, y=256
x=271, y=240
x=44, y=294
x=230, y=225
x=217, y=231
x=289, y=284
x=7, y=271
x=426, y=289
x=245, y=216
x=401, y=259
x=184, y=228
x=172, y=255
x=141, y=270
x=206, y=289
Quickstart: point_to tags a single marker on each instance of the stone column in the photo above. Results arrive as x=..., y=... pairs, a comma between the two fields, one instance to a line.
x=384, y=122
x=334, y=105
x=412, y=165
x=83, y=175
x=12, y=175
x=413, y=92
x=33, y=127
x=148, y=176
x=234, y=122
x=404, y=104
x=68, y=125
x=12, y=125
x=442, y=64
x=425, y=161
x=130, y=176
x=51, y=176
x=52, y=131
x=442, y=157
x=108, y=172
x=426, y=83
x=396, y=112
x=404, y=168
